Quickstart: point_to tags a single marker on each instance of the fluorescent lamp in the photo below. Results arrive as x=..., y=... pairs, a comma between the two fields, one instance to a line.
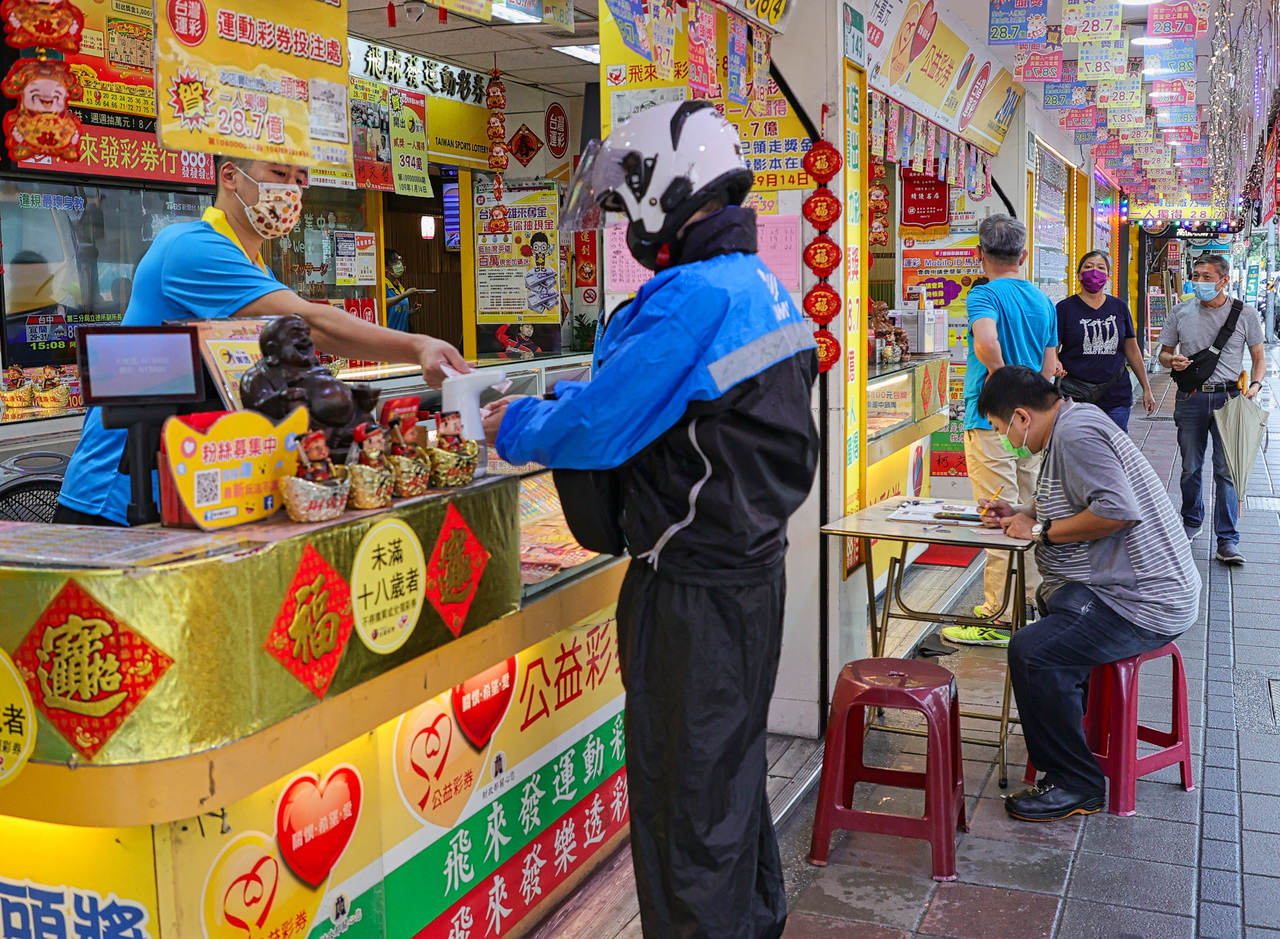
x=1138, y=3
x=1151, y=41
x=503, y=12
x=585, y=53
x=428, y=226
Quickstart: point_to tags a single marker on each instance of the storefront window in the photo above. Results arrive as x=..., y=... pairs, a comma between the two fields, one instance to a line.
x=306, y=260
x=69, y=255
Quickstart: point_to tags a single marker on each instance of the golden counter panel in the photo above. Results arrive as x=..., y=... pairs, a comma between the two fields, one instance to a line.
x=147, y=662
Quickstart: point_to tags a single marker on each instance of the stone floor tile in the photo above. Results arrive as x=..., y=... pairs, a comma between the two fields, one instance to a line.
x=1261, y=852
x=1085, y=919
x=1262, y=901
x=1163, y=800
x=1216, y=921
x=867, y=851
x=807, y=926
x=1152, y=839
x=992, y=821
x=1146, y=885
x=1260, y=812
x=1220, y=827
x=1220, y=887
x=883, y=898
x=1259, y=776
x=965, y=911
x=994, y=863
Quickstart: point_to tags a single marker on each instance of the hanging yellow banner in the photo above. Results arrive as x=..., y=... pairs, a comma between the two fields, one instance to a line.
x=239, y=83
x=409, y=143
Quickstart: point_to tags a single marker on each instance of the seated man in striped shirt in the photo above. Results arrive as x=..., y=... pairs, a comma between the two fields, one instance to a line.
x=1117, y=569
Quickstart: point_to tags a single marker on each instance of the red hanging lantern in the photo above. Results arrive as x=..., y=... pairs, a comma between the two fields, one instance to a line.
x=822, y=303
x=828, y=349
x=822, y=256
x=822, y=209
x=823, y=162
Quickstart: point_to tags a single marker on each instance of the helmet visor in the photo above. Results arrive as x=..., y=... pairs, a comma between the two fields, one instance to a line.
x=594, y=189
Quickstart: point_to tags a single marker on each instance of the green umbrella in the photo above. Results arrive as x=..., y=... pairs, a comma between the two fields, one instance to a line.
x=1242, y=423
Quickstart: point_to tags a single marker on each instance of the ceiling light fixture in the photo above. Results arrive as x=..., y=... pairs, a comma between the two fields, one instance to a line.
x=1151, y=41
x=589, y=53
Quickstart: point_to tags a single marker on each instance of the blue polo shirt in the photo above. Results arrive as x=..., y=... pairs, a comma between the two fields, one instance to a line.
x=192, y=270
x=1026, y=324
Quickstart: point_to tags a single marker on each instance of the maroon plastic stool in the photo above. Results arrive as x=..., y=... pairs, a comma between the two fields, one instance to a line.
x=1112, y=729
x=913, y=686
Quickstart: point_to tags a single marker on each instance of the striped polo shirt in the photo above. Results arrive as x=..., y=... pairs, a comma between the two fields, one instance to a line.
x=1144, y=572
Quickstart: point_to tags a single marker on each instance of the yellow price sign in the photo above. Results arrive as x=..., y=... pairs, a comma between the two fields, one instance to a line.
x=17, y=721
x=387, y=581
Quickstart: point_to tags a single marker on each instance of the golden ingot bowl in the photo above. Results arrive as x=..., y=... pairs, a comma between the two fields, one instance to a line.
x=370, y=488
x=20, y=397
x=58, y=397
x=450, y=469
x=412, y=478
x=308, y=501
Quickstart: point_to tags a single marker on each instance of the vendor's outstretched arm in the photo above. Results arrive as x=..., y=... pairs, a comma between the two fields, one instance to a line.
x=338, y=332
x=650, y=376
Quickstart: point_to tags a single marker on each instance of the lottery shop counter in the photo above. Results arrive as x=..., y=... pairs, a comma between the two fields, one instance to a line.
x=406, y=722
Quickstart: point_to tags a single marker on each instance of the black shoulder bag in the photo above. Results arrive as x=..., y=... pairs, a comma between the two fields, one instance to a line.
x=1206, y=360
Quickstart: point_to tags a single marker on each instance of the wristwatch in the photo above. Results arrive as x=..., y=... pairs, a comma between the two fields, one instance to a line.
x=1041, y=531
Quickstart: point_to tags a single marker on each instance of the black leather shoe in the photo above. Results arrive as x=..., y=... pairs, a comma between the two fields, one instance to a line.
x=1047, y=803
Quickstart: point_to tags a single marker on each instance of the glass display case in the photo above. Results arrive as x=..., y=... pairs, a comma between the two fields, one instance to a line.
x=905, y=401
x=889, y=398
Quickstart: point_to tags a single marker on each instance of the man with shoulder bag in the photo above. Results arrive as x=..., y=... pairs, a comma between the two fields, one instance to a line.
x=1203, y=343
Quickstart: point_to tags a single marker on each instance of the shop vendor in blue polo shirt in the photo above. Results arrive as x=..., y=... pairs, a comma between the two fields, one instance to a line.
x=212, y=269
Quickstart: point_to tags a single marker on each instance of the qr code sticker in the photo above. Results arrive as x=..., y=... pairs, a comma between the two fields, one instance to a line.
x=208, y=488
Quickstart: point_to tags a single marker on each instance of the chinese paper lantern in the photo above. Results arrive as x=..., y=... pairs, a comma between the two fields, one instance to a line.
x=828, y=349
x=822, y=303
x=822, y=256
x=822, y=209
x=823, y=162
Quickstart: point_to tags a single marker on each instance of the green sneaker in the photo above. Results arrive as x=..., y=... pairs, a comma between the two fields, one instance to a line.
x=976, y=636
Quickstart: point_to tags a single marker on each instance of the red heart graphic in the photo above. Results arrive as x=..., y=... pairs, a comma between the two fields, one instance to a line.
x=256, y=887
x=480, y=703
x=433, y=745
x=315, y=821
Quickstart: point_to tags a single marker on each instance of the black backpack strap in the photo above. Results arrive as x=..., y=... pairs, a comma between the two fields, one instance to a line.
x=1229, y=327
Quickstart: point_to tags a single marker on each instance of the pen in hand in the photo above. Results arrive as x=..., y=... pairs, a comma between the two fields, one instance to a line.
x=990, y=501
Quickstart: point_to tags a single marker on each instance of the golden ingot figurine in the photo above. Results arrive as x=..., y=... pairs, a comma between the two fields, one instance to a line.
x=412, y=477
x=53, y=398
x=450, y=469
x=371, y=487
x=19, y=397
x=308, y=501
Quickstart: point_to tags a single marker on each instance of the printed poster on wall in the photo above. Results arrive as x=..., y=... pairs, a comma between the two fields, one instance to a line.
x=1017, y=22
x=937, y=69
x=1101, y=60
x=703, y=58
x=517, y=251
x=1178, y=58
x=1171, y=19
x=736, y=69
x=1040, y=63
x=629, y=18
x=662, y=30
x=246, y=85
x=371, y=134
x=409, y=143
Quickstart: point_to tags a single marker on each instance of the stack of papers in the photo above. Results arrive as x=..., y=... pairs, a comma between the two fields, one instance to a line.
x=925, y=511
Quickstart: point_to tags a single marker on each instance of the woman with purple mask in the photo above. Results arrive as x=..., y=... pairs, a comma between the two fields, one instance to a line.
x=1098, y=342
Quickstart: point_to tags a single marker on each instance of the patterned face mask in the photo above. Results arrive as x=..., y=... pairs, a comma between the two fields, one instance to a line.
x=277, y=210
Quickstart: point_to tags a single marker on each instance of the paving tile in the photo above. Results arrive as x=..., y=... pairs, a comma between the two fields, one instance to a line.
x=1147, y=885
x=1255, y=746
x=1222, y=756
x=1259, y=776
x=807, y=926
x=1220, y=827
x=1162, y=800
x=965, y=911
x=1152, y=839
x=1260, y=812
x=995, y=863
x=1261, y=901
x=884, y=898
x=889, y=853
x=1216, y=921
x=1221, y=801
x=1220, y=886
x=1261, y=852
x=1085, y=919
x=1219, y=855
x=1259, y=932
x=992, y=821
x=1215, y=777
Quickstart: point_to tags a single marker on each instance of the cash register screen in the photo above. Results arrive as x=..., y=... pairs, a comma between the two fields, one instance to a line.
x=140, y=365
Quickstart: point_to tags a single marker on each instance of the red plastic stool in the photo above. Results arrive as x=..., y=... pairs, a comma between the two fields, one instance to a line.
x=1111, y=727
x=909, y=685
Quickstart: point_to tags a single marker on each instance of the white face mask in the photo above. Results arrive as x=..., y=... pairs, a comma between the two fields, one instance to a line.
x=277, y=210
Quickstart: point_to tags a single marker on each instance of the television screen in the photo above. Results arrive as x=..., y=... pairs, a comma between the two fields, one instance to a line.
x=452, y=220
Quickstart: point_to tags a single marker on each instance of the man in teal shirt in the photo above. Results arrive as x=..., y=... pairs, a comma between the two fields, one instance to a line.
x=1011, y=322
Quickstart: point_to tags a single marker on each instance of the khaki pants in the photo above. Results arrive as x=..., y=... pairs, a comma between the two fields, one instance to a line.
x=990, y=467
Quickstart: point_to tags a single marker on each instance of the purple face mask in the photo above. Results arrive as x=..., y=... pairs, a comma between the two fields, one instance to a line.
x=1093, y=280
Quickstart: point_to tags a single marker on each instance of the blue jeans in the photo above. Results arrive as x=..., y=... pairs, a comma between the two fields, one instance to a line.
x=1120, y=416
x=1049, y=662
x=1193, y=415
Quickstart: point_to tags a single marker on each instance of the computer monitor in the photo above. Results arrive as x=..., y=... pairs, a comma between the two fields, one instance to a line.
x=126, y=366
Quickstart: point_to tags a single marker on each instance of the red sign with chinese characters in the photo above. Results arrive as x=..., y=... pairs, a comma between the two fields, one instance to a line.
x=524, y=145
x=315, y=820
x=86, y=669
x=1171, y=20
x=926, y=206
x=480, y=703
x=129, y=154
x=454, y=570
x=556, y=130
x=314, y=623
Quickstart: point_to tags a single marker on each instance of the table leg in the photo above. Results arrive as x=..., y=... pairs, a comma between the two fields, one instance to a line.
x=872, y=619
x=1017, y=619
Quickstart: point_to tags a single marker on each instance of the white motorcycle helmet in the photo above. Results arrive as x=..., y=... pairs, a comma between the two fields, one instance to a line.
x=659, y=167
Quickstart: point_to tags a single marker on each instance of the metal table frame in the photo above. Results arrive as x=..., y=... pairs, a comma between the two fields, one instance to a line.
x=872, y=525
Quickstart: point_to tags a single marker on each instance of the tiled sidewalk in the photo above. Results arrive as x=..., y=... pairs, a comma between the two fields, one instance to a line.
x=1191, y=864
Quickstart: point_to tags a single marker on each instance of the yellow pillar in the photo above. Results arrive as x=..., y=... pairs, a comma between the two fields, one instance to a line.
x=466, y=213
